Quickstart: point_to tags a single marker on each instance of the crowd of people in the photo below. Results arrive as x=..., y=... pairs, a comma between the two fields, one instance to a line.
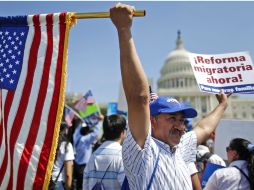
x=154, y=150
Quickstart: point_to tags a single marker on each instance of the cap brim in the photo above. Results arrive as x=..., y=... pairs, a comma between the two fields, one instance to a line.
x=188, y=112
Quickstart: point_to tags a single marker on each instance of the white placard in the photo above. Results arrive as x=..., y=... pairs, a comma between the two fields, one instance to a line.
x=231, y=72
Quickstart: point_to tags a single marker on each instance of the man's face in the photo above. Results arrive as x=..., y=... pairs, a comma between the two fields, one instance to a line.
x=168, y=128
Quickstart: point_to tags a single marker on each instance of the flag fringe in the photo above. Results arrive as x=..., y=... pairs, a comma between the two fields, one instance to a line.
x=71, y=20
x=60, y=109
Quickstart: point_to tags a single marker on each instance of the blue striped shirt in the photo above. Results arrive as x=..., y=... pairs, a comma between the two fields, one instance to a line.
x=107, y=157
x=172, y=171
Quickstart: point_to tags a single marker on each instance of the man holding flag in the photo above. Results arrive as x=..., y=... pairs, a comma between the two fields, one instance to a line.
x=156, y=135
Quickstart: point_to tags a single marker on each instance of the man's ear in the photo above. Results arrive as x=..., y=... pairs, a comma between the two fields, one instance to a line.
x=153, y=121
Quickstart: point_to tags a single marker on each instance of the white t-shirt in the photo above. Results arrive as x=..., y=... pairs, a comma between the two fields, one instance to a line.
x=63, y=154
x=229, y=178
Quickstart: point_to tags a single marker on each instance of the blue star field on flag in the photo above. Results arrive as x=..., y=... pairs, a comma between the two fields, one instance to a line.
x=12, y=44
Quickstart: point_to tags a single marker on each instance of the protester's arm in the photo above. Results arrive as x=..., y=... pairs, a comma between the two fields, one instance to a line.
x=135, y=82
x=208, y=124
x=68, y=165
x=194, y=176
x=92, y=136
x=195, y=182
x=68, y=174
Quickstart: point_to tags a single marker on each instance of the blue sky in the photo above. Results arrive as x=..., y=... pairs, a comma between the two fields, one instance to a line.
x=206, y=27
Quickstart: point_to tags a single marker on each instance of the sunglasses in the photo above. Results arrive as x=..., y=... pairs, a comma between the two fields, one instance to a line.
x=228, y=148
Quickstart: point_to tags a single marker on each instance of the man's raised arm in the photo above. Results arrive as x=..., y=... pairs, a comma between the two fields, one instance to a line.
x=135, y=82
x=207, y=125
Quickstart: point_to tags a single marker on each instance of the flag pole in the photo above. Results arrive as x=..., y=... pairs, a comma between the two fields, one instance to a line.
x=137, y=13
x=74, y=112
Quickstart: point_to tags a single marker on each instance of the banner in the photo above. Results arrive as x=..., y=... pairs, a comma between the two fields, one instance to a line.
x=231, y=72
x=209, y=170
x=91, y=114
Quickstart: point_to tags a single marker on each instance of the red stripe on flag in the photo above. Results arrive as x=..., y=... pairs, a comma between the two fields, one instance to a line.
x=7, y=107
x=31, y=138
x=1, y=119
x=15, y=129
x=45, y=151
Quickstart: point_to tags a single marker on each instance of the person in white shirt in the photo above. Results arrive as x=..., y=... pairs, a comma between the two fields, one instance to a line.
x=63, y=165
x=240, y=173
x=157, y=132
x=105, y=165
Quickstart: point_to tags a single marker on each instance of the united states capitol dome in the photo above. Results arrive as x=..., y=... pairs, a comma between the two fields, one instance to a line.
x=177, y=72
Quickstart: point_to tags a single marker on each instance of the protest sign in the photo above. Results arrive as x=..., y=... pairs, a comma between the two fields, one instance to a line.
x=210, y=169
x=231, y=72
x=112, y=108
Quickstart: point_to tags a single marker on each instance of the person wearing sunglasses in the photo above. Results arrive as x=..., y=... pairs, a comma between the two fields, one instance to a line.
x=240, y=173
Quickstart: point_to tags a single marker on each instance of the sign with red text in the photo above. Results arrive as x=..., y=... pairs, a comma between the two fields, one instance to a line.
x=231, y=72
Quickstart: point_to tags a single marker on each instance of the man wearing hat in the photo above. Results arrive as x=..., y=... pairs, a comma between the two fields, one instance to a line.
x=156, y=151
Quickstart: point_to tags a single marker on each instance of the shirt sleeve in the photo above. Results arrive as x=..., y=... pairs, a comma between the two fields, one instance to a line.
x=188, y=147
x=192, y=168
x=91, y=137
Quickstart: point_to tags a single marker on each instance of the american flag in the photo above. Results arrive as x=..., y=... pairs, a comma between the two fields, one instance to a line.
x=86, y=99
x=153, y=96
x=33, y=59
x=68, y=115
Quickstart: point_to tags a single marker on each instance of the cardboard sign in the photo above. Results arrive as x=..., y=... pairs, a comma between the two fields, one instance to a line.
x=112, y=108
x=209, y=170
x=231, y=72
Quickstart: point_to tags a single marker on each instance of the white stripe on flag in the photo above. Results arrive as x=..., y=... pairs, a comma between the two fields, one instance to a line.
x=45, y=116
x=19, y=147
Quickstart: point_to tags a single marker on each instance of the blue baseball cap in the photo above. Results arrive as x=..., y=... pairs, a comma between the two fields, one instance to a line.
x=167, y=104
